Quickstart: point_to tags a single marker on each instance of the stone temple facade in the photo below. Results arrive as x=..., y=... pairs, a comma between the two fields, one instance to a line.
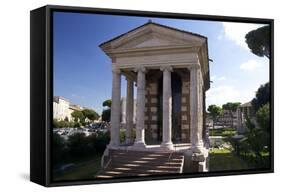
x=170, y=69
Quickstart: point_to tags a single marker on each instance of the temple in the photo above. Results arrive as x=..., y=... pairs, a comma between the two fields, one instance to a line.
x=170, y=68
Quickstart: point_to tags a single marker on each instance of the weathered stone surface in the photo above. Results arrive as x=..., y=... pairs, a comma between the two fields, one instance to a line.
x=129, y=111
x=139, y=142
x=115, y=107
x=198, y=157
x=167, y=108
x=196, y=115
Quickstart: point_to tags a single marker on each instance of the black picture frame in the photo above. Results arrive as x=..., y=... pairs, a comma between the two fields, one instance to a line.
x=41, y=91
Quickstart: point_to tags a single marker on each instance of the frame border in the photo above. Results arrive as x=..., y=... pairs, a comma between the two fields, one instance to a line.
x=48, y=14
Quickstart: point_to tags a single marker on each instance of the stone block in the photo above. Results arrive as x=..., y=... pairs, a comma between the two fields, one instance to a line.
x=153, y=100
x=154, y=118
x=183, y=99
x=198, y=157
x=153, y=127
x=185, y=126
x=153, y=109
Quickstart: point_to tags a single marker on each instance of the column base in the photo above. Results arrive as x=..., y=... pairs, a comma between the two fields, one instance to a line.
x=139, y=145
x=196, y=162
x=113, y=144
x=129, y=141
x=168, y=146
x=198, y=148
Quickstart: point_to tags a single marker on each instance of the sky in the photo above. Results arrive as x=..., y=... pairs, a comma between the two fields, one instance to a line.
x=82, y=71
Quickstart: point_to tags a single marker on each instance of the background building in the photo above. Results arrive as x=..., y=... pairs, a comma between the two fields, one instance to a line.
x=62, y=108
x=227, y=118
x=244, y=111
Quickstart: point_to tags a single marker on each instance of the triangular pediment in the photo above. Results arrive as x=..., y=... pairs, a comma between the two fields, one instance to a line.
x=154, y=44
x=153, y=35
x=149, y=41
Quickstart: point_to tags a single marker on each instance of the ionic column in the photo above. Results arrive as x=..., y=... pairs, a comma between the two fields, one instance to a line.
x=139, y=142
x=196, y=109
x=129, y=110
x=115, y=107
x=167, y=108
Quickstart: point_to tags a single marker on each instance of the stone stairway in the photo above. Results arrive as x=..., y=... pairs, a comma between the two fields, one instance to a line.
x=125, y=163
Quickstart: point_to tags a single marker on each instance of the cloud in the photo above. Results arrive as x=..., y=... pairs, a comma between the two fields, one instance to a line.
x=222, y=78
x=219, y=37
x=222, y=94
x=237, y=31
x=250, y=65
x=215, y=78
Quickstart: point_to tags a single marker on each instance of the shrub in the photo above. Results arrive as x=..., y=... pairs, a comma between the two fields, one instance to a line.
x=77, y=145
x=62, y=124
x=101, y=141
x=55, y=123
x=59, y=149
x=91, y=139
x=77, y=124
x=122, y=135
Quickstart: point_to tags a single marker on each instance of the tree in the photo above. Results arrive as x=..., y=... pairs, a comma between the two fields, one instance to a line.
x=60, y=123
x=262, y=97
x=66, y=119
x=107, y=103
x=263, y=120
x=90, y=114
x=258, y=141
x=258, y=41
x=107, y=111
x=263, y=117
x=214, y=111
x=78, y=116
x=232, y=108
x=106, y=115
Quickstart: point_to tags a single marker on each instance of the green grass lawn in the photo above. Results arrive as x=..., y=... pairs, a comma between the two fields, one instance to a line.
x=225, y=132
x=84, y=170
x=225, y=160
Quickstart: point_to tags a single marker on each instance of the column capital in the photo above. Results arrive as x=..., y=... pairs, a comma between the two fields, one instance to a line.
x=115, y=69
x=166, y=68
x=128, y=78
x=140, y=68
x=193, y=66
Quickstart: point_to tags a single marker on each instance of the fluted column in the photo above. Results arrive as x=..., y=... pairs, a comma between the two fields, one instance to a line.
x=129, y=110
x=115, y=107
x=167, y=108
x=139, y=142
x=196, y=123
